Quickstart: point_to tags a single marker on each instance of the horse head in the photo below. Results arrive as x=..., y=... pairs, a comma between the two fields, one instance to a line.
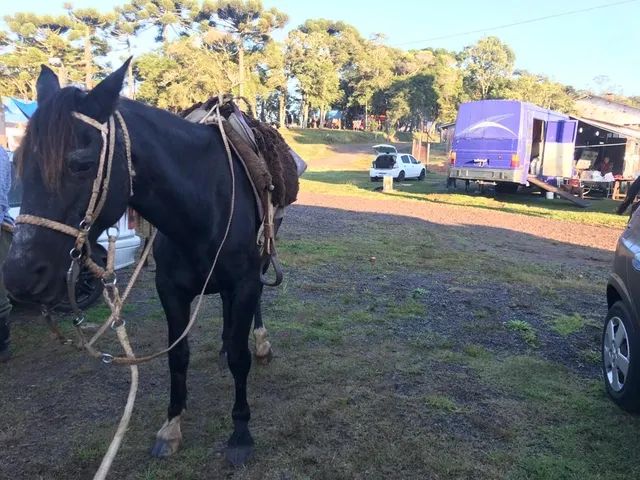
x=59, y=160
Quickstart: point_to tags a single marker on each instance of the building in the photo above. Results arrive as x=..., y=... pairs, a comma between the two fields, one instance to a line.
x=608, y=110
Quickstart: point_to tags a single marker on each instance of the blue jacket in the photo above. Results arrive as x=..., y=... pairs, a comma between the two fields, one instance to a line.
x=5, y=186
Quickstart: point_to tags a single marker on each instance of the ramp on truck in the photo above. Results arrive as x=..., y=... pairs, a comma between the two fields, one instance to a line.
x=561, y=193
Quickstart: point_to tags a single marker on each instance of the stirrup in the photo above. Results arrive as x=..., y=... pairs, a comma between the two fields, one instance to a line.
x=271, y=260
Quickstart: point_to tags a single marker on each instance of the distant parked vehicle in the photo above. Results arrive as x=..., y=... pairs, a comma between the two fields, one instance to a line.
x=621, y=334
x=400, y=166
x=89, y=288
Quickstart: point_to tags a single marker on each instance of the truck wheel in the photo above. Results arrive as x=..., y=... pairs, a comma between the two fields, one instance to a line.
x=423, y=174
x=620, y=347
x=506, y=187
x=400, y=176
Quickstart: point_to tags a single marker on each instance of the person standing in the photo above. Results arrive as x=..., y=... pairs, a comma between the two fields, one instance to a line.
x=6, y=235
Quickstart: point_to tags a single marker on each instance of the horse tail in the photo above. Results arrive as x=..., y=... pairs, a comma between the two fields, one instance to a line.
x=633, y=191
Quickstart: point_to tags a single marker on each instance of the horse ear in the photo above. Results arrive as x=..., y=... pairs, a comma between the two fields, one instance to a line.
x=101, y=102
x=47, y=84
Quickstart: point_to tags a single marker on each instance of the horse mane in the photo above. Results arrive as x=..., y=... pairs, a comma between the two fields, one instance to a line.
x=50, y=135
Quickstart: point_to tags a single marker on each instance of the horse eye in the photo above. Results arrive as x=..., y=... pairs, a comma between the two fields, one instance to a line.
x=80, y=161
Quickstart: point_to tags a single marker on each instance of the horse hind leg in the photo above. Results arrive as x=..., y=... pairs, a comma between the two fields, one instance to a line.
x=264, y=353
x=243, y=307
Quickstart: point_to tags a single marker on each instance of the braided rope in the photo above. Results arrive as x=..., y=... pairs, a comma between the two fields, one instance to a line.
x=127, y=360
x=127, y=143
x=45, y=222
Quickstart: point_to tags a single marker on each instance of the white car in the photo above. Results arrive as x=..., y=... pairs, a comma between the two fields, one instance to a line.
x=390, y=163
x=89, y=289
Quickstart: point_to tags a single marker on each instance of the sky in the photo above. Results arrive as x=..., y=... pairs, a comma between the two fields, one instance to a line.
x=572, y=49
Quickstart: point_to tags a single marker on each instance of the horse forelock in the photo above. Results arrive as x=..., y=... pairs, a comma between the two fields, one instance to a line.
x=50, y=135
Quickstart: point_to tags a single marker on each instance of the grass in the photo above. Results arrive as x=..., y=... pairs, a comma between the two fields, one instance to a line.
x=443, y=403
x=568, y=324
x=524, y=330
x=376, y=374
x=357, y=183
x=350, y=178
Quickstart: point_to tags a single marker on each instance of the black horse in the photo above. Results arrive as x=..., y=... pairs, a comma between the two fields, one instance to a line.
x=182, y=185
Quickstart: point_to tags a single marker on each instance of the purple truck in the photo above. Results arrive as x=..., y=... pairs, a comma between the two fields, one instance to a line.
x=509, y=142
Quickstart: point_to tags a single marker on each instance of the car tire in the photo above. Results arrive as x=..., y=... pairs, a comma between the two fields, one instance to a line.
x=422, y=175
x=374, y=179
x=621, y=346
x=400, y=176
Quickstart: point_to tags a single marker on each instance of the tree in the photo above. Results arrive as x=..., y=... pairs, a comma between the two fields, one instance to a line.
x=448, y=86
x=90, y=27
x=125, y=28
x=181, y=74
x=309, y=61
x=539, y=90
x=165, y=16
x=32, y=40
x=412, y=101
x=488, y=64
x=274, y=77
x=373, y=71
x=247, y=24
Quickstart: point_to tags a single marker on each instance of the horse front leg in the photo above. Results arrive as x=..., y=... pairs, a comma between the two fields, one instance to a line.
x=177, y=308
x=244, y=302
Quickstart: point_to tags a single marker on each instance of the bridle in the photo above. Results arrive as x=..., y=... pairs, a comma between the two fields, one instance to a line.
x=80, y=254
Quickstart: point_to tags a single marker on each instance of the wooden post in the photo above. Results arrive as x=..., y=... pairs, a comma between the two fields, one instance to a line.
x=426, y=162
x=387, y=184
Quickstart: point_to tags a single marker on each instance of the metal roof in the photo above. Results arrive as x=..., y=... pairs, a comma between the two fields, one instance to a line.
x=624, y=131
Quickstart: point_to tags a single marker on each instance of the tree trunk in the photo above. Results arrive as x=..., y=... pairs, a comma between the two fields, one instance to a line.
x=240, y=70
x=366, y=114
x=304, y=114
x=62, y=74
x=263, y=113
x=322, y=113
x=88, y=77
x=281, y=109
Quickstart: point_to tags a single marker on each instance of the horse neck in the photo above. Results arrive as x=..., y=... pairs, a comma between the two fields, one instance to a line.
x=180, y=170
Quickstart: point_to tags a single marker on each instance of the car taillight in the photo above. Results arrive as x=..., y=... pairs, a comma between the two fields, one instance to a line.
x=515, y=161
x=452, y=157
x=132, y=218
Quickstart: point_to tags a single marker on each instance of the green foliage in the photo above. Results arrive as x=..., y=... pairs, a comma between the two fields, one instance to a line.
x=487, y=65
x=539, y=90
x=207, y=46
x=443, y=403
x=567, y=324
x=525, y=330
x=167, y=79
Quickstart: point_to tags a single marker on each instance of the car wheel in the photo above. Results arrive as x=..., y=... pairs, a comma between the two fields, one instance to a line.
x=400, y=177
x=619, y=351
x=374, y=179
x=422, y=175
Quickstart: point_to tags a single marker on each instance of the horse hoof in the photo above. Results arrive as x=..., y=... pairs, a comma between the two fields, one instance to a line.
x=265, y=359
x=164, y=448
x=168, y=439
x=238, y=455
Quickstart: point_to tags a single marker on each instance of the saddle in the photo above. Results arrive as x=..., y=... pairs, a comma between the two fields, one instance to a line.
x=272, y=167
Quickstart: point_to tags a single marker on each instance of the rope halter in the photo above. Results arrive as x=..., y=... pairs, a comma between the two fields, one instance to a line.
x=80, y=253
